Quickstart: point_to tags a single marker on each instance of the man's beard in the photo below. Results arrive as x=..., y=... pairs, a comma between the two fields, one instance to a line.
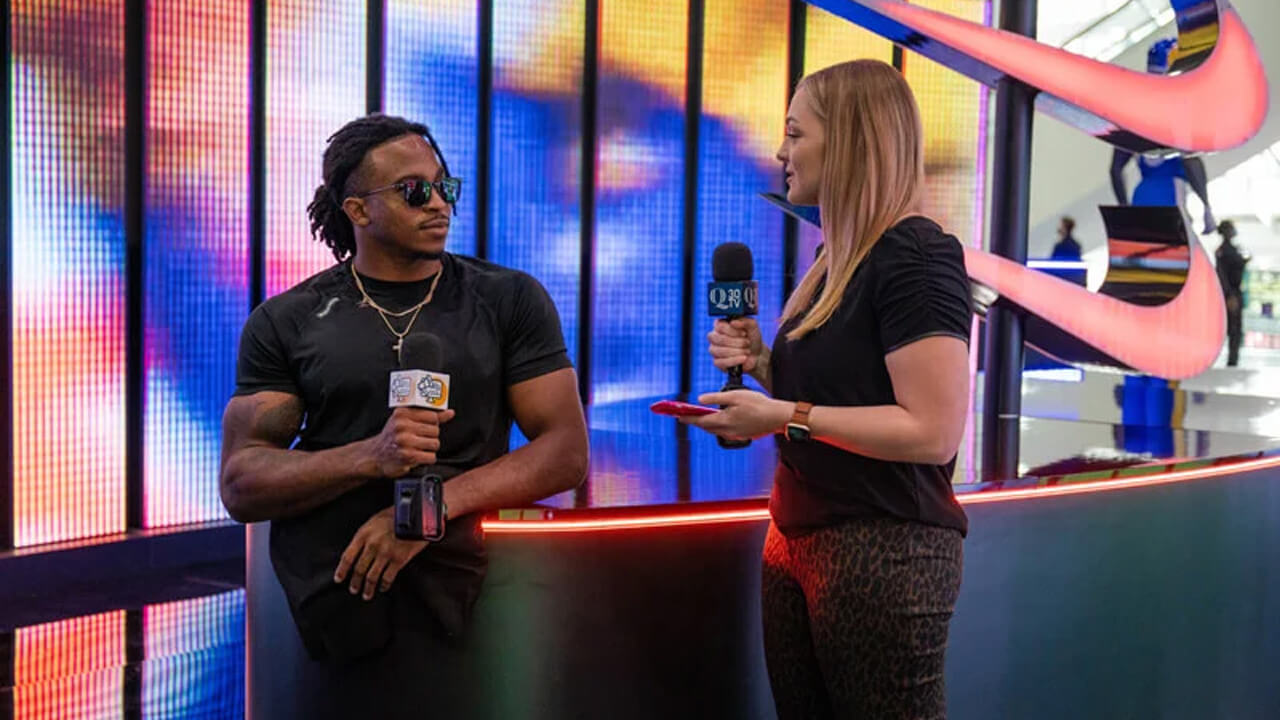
x=425, y=255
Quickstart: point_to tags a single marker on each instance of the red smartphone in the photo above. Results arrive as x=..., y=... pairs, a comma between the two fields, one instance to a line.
x=675, y=408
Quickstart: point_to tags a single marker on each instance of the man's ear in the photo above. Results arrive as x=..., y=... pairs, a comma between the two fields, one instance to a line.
x=356, y=211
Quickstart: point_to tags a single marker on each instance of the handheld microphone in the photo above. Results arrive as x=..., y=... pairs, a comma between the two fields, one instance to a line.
x=732, y=294
x=419, y=498
x=416, y=387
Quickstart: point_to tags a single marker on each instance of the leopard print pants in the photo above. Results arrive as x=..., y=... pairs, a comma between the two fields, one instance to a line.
x=856, y=616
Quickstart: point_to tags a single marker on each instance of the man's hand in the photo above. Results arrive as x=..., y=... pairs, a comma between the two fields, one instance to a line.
x=410, y=438
x=375, y=556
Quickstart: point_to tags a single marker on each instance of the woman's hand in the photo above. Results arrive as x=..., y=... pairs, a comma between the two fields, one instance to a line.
x=738, y=342
x=745, y=414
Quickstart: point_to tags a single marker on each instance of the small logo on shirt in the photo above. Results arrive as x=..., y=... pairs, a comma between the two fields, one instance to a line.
x=327, y=307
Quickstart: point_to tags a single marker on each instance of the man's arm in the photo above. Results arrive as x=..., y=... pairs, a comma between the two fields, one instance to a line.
x=262, y=480
x=549, y=413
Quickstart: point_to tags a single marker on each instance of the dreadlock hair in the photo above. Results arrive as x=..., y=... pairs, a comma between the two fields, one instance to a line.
x=345, y=152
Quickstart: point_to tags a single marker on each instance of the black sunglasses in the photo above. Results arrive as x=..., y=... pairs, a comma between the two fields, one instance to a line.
x=418, y=192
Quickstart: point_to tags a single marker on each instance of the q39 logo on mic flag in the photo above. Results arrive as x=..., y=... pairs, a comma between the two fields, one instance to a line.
x=730, y=299
x=419, y=388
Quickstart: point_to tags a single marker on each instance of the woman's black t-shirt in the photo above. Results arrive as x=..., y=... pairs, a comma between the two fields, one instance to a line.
x=911, y=285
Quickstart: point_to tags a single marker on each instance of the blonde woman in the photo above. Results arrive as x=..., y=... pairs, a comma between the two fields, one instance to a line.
x=869, y=382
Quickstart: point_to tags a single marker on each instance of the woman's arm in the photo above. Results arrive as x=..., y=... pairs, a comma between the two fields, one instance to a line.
x=930, y=385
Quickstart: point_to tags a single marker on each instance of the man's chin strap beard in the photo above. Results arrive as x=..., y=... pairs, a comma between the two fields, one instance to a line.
x=400, y=253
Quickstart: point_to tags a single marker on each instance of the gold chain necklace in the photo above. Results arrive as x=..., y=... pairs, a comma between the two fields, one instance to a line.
x=386, y=314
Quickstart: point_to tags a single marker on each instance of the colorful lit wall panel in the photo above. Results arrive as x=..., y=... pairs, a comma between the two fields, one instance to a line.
x=634, y=456
x=68, y=250
x=196, y=249
x=953, y=112
x=68, y=269
x=431, y=77
x=537, y=146
x=70, y=668
x=315, y=85
x=640, y=118
x=719, y=474
x=744, y=101
x=952, y=108
x=194, y=658
x=829, y=40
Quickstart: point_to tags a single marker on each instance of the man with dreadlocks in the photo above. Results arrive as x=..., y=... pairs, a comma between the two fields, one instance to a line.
x=380, y=613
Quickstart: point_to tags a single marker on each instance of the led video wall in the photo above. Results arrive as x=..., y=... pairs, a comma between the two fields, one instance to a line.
x=536, y=185
x=744, y=97
x=315, y=84
x=68, y=246
x=196, y=247
x=431, y=75
x=953, y=110
x=640, y=128
x=68, y=260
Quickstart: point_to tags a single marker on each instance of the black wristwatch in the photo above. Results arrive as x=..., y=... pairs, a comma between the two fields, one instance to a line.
x=420, y=512
x=798, y=428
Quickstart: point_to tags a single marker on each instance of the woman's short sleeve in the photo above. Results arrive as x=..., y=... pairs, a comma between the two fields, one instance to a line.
x=921, y=287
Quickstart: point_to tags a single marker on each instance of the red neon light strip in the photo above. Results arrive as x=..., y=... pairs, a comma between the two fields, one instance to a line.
x=711, y=517
x=1121, y=483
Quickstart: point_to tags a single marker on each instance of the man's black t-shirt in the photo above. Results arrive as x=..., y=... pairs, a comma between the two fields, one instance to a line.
x=318, y=341
x=911, y=285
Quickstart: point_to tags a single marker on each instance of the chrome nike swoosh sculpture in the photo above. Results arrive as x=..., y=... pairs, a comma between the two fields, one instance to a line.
x=1174, y=340
x=1214, y=98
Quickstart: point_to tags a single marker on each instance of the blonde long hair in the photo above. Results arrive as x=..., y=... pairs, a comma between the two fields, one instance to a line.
x=872, y=176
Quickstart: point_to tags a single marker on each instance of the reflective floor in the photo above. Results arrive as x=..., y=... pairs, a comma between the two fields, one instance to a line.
x=181, y=659
x=175, y=649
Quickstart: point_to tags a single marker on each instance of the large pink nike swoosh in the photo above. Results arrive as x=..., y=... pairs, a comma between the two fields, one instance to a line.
x=1220, y=104
x=1176, y=340
x=1179, y=339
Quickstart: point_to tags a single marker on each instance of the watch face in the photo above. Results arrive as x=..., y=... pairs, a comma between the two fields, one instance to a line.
x=797, y=433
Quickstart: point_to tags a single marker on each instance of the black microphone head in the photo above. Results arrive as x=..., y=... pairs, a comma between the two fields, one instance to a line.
x=422, y=351
x=731, y=262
